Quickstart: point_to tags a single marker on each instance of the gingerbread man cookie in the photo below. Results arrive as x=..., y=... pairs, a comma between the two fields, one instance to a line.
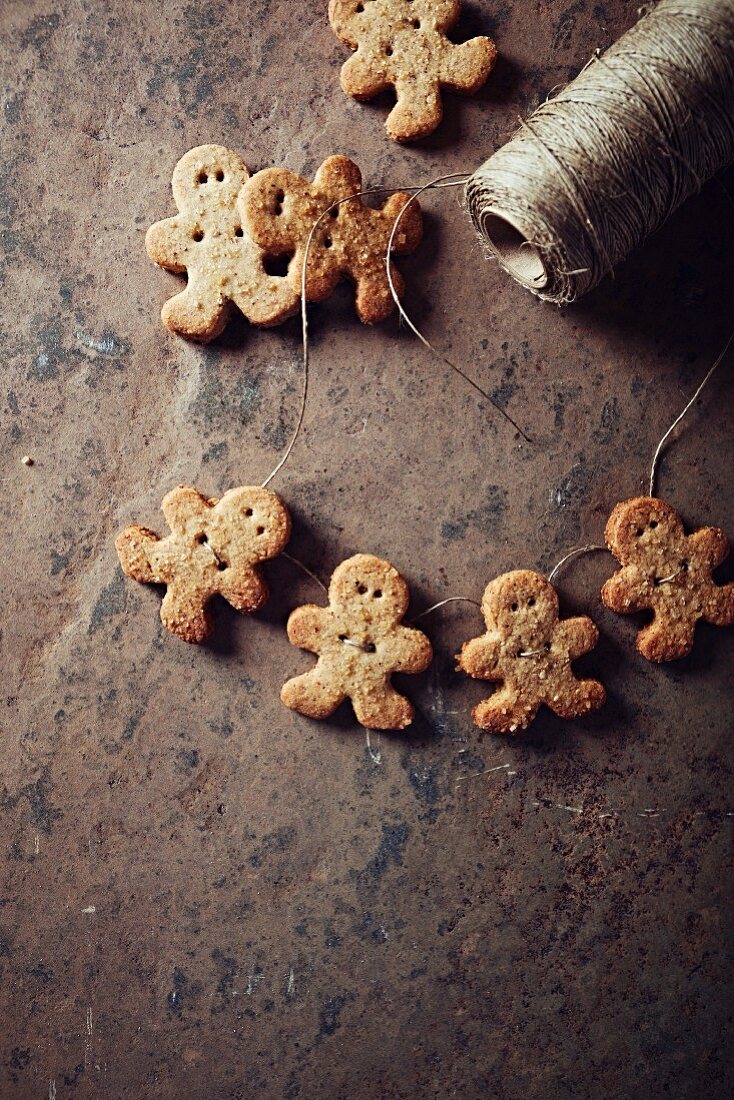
x=214, y=549
x=529, y=650
x=279, y=210
x=667, y=572
x=206, y=240
x=402, y=44
x=360, y=642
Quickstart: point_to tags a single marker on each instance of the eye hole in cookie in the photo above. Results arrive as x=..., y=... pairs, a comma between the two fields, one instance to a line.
x=531, y=601
x=276, y=265
x=359, y=9
x=684, y=566
x=202, y=540
x=640, y=532
x=197, y=235
x=202, y=178
x=546, y=647
x=279, y=200
x=417, y=24
x=361, y=588
x=513, y=607
x=221, y=565
x=260, y=531
x=378, y=593
x=219, y=176
x=653, y=524
x=388, y=51
x=238, y=231
x=248, y=512
x=328, y=242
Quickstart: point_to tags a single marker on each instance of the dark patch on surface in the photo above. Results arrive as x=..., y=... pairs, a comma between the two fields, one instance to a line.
x=215, y=452
x=486, y=519
x=58, y=562
x=187, y=760
x=39, y=31
x=330, y=1012
x=566, y=24
x=111, y=601
x=610, y=416
x=390, y=852
x=37, y=794
x=184, y=993
x=279, y=841
x=425, y=787
x=12, y=108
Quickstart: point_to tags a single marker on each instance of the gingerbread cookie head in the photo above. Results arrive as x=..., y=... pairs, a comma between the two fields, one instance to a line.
x=370, y=589
x=206, y=240
x=666, y=572
x=360, y=642
x=214, y=549
x=529, y=651
x=403, y=44
x=280, y=209
x=523, y=608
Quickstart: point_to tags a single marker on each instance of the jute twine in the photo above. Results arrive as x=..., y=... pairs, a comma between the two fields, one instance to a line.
x=608, y=159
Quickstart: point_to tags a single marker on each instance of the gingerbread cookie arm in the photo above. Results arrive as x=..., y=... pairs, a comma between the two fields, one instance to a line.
x=312, y=695
x=410, y=229
x=414, y=651
x=505, y=711
x=385, y=709
x=576, y=636
x=720, y=606
x=479, y=658
x=465, y=68
x=185, y=612
x=183, y=506
x=709, y=544
x=306, y=625
x=167, y=244
x=627, y=591
x=133, y=547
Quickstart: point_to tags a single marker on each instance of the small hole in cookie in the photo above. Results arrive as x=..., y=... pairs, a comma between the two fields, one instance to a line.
x=546, y=647
x=531, y=601
x=513, y=607
x=238, y=231
x=640, y=532
x=653, y=524
x=684, y=566
x=221, y=565
x=388, y=51
x=361, y=588
x=360, y=8
x=260, y=531
x=219, y=177
x=328, y=242
x=378, y=593
x=369, y=647
x=202, y=539
x=202, y=177
x=248, y=511
x=276, y=265
x=335, y=212
x=416, y=24
x=279, y=200
x=197, y=235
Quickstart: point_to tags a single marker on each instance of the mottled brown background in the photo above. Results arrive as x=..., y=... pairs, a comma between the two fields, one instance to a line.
x=204, y=895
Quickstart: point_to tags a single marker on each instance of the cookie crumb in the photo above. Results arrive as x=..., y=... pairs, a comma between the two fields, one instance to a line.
x=27, y=460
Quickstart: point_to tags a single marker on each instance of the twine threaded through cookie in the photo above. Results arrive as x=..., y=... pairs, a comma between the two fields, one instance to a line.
x=607, y=160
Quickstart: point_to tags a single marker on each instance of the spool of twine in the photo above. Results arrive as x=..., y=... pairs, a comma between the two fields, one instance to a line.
x=606, y=161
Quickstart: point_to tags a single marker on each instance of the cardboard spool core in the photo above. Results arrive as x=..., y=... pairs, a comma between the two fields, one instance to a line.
x=514, y=251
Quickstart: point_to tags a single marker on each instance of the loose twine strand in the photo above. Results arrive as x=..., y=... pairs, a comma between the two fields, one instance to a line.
x=452, y=179
x=606, y=160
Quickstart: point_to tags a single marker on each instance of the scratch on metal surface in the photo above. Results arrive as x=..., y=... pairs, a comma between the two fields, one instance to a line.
x=484, y=771
x=90, y=909
x=52, y=1090
x=37, y=844
x=291, y=986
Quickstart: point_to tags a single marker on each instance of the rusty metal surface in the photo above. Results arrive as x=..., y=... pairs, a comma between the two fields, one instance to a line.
x=204, y=895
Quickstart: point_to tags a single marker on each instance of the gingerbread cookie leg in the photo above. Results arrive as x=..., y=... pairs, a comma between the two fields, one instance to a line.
x=244, y=591
x=373, y=299
x=198, y=312
x=133, y=546
x=418, y=110
x=383, y=709
x=311, y=695
x=185, y=615
x=504, y=712
x=576, y=697
x=666, y=639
